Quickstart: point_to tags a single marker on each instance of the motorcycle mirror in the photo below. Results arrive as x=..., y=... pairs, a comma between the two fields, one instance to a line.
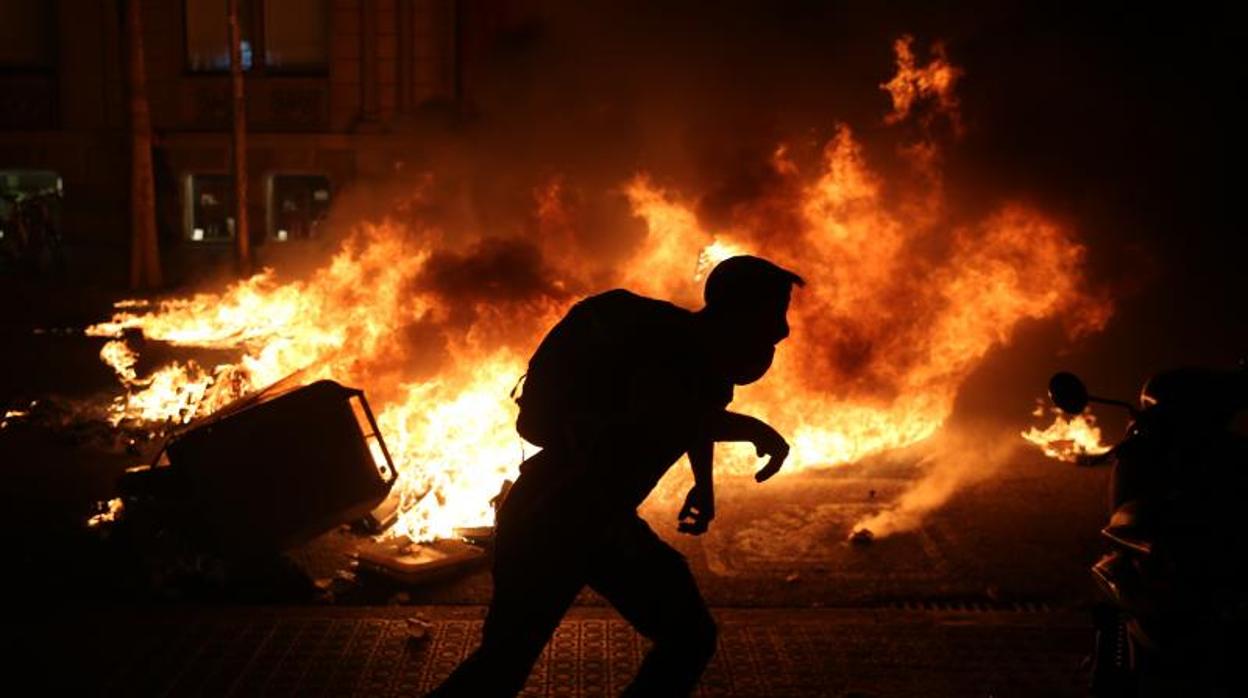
x=1068, y=393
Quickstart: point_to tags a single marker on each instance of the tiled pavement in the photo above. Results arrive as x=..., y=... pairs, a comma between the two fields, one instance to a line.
x=371, y=652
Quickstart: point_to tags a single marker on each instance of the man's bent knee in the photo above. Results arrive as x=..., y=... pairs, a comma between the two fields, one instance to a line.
x=695, y=639
x=704, y=638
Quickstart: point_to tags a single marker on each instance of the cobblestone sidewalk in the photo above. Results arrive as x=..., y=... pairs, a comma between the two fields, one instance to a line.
x=408, y=650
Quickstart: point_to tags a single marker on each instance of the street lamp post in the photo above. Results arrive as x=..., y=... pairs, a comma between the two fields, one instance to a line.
x=242, y=235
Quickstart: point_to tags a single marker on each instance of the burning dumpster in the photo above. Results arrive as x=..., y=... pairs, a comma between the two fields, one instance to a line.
x=272, y=469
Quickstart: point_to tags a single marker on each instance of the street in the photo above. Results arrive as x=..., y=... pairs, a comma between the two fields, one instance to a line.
x=988, y=595
x=407, y=651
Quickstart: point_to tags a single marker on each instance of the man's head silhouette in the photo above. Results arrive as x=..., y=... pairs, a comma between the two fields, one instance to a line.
x=747, y=299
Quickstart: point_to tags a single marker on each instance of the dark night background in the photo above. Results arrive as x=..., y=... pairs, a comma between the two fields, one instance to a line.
x=1122, y=120
x=1131, y=122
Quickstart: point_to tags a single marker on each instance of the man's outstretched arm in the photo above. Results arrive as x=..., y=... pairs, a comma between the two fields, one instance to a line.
x=699, y=509
x=731, y=426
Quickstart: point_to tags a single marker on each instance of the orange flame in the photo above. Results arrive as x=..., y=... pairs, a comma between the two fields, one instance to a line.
x=1067, y=438
x=902, y=304
x=11, y=415
x=911, y=84
x=109, y=513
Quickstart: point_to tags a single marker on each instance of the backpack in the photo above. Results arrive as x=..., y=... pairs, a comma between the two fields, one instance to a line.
x=578, y=374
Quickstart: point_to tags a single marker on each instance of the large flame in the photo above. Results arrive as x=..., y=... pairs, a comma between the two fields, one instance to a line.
x=903, y=301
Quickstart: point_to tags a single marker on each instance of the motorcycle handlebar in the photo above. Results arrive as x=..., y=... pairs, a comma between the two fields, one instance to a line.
x=1090, y=460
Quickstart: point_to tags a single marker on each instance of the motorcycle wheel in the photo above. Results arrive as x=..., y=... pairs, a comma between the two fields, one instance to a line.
x=1113, y=674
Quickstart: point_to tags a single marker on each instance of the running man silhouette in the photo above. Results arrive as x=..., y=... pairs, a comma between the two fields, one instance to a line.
x=617, y=391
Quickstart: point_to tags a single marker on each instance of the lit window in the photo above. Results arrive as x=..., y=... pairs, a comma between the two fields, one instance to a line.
x=298, y=205
x=211, y=208
x=30, y=214
x=20, y=186
x=296, y=35
x=207, y=35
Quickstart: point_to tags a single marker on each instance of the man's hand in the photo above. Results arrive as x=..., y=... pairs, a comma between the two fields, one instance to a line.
x=699, y=509
x=768, y=442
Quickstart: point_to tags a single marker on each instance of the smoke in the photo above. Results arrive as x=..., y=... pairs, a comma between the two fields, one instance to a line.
x=589, y=93
x=493, y=271
x=958, y=457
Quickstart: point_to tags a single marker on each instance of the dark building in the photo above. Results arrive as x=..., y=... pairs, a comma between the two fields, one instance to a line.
x=328, y=83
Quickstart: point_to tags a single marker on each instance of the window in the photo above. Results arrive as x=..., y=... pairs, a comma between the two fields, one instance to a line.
x=298, y=205
x=26, y=35
x=207, y=35
x=211, y=208
x=277, y=35
x=30, y=219
x=29, y=183
x=296, y=35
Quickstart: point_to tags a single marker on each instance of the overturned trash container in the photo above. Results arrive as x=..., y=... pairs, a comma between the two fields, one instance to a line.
x=274, y=469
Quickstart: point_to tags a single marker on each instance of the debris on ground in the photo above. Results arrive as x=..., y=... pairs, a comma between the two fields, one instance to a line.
x=418, y=631
x=418, y=563
x=401, y=598
x=862, y=536
x=384, y=515
x=477, y=535
x=340, y=583
x=249, y=486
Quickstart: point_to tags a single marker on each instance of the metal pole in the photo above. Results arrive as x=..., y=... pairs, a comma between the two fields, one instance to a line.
x=144, y=251
x=242, y=235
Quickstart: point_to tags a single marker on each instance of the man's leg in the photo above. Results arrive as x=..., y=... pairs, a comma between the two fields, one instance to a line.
x=532, y=591
x=650, y=584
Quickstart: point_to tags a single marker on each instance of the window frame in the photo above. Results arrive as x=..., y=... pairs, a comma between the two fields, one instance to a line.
x=309, y=70
x=189, y=203
x=255, y=11
x=270, y=199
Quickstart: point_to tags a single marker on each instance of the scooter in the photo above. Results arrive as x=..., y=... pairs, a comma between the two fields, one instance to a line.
x=1174, y=597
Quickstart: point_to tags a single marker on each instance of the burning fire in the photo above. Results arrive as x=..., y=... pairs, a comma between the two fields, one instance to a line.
x=13, y=415
x=912, y=83
x=904, y=299
x=109, y=513
x=1067, y=438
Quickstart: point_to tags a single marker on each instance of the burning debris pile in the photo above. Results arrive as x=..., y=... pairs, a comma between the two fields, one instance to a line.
x=906, y=296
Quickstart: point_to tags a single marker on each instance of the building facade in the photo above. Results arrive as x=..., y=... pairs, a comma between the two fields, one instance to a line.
x=328, y=83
